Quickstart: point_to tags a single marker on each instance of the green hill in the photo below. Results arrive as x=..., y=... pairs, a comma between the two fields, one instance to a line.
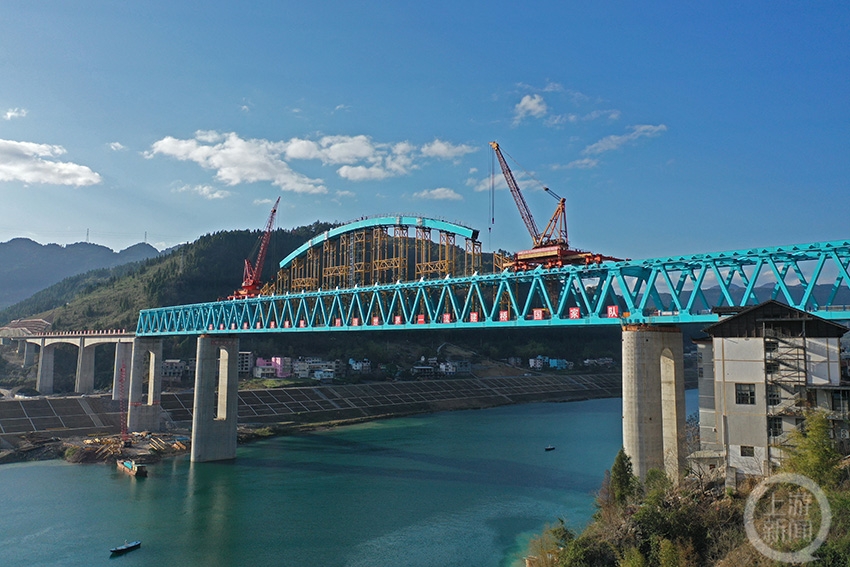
x=27, y=267
x=204, y=270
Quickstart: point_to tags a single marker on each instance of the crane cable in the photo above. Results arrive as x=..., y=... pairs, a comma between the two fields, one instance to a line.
x=525, y=171
x=492, y=211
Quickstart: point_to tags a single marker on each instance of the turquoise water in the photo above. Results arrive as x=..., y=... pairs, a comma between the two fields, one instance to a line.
x=462, y=488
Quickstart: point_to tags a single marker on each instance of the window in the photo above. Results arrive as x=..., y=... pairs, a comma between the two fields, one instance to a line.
x=841, y=401
x=699, y=372
x=771, y=367
x=748, y=451
x=745, y=394
x=774, y=395
x=774, y=426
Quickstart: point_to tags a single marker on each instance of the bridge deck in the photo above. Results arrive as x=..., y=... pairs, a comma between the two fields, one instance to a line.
x=672, y=290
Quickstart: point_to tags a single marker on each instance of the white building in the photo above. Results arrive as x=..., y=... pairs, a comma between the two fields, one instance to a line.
x=360, y=366
x=757, y=373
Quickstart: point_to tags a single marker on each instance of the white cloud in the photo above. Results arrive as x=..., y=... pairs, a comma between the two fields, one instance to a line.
x=347, y=149
x=446, y=150
x=614, y=142
x=15, y=113
x=439, y=194
x=346, y=194
x=558, y=119
x=263, y=201
x=29, y=162
x=578, y=97
x=238, y=161
x=479, y=185
x=362, y=173
x=525, y=181
x=585, y=163
x=117, y=146
x=530, y=105
x=205, y=191
x=209, y=136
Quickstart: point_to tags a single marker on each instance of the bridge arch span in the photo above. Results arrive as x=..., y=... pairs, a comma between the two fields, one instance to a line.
x=380, y=250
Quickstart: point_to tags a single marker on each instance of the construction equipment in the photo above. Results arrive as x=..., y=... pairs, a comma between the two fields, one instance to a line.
x=550, y=248
x=251, y=282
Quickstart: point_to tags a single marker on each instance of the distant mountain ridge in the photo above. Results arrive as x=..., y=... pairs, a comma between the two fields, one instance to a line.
x=204, y=270
x=27, y=267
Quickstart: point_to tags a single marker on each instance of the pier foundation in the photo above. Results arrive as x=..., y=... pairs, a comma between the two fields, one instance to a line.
x=654, y=399
x=216, y=399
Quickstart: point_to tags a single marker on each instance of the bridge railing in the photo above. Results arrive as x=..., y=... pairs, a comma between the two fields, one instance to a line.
x=673, y=290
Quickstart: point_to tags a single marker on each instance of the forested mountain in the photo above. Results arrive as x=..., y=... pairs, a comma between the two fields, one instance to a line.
x=27, y=266
x=205, y=270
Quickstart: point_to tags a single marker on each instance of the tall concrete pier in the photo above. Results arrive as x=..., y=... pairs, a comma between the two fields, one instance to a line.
x=147, y=355
x=654, y=399
x=214, y=413
x=44, y=378
x=123, y=364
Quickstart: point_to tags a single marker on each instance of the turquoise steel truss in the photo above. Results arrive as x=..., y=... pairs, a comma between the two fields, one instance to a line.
x=658, y=291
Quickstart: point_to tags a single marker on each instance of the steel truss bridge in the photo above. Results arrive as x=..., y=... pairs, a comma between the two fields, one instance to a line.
x=358, y=261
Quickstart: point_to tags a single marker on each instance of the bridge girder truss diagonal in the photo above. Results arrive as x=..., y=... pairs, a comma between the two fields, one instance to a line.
x=672, y=290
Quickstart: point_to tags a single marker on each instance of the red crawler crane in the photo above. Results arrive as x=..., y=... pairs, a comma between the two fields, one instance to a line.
x=550, y=248
x=251, y=282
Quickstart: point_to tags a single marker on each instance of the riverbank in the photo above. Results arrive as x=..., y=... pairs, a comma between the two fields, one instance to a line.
x=87, y=429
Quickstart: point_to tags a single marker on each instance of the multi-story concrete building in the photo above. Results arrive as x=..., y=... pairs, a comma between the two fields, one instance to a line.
x=305, y=368
x=758, y=372
x=245, y=363
x=455, y=367
x=173, y=370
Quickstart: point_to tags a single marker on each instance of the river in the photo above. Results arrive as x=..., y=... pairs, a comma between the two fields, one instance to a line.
x=464, y=488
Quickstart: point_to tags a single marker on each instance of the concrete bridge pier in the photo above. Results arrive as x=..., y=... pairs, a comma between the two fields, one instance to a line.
x=44, y=378
x=145, y=416
x=123, y=360
x=28, y=352
x=214, y=416
x=654, y=399
x=84, y=383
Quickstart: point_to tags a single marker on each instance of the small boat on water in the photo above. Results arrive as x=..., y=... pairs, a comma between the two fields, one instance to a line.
x=128, y=546
x=549, y=448
x=132, y=468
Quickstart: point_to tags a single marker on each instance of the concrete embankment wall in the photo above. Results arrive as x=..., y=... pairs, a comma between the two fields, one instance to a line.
x=99, y=415
x=330, y=403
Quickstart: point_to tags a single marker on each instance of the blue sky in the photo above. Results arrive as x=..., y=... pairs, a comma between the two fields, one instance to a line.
x=670, y=127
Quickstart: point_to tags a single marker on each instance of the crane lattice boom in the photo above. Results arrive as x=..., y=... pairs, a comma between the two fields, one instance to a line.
x=551, y=248
x=253, y=272
x=524, y=211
